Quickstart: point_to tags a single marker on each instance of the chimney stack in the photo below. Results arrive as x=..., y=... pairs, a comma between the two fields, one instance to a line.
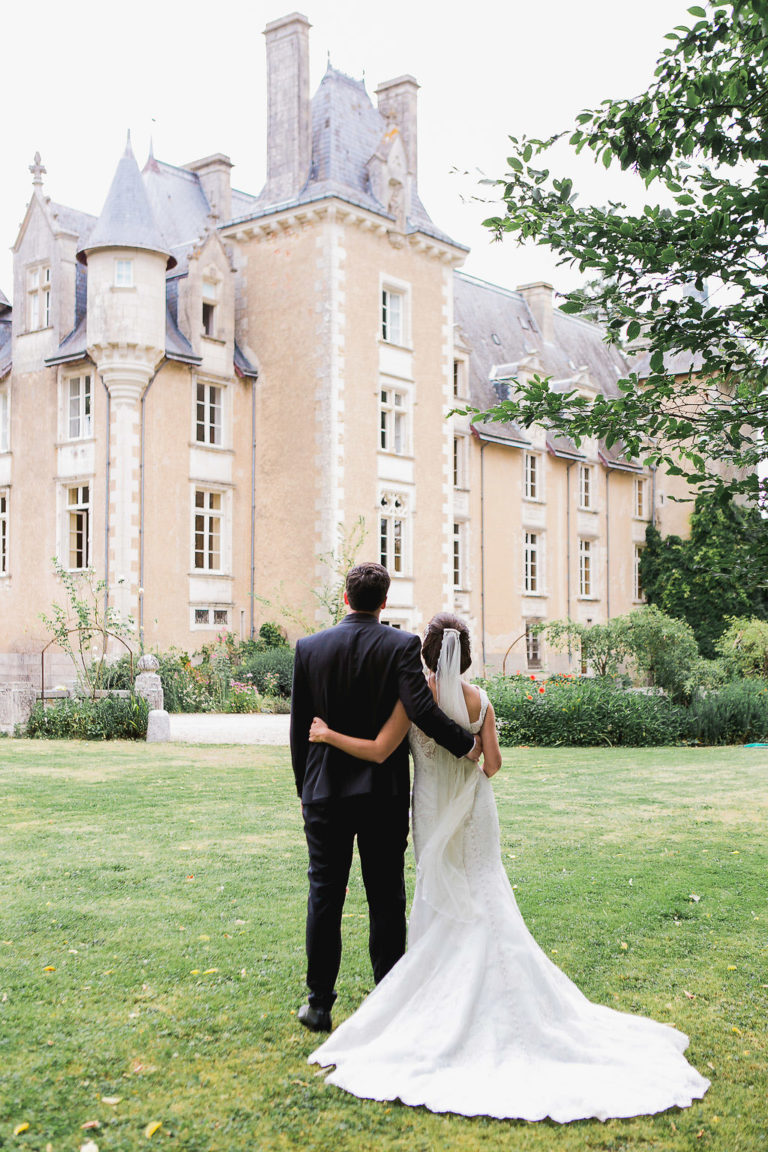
x=539, y=298
x=289, y=128
x=214, y=175
x=397, y=102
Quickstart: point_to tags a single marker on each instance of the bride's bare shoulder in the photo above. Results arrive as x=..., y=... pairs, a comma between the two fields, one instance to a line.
x=473, y=701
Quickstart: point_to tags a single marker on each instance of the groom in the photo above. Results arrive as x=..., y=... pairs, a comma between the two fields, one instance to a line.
x=352, y=675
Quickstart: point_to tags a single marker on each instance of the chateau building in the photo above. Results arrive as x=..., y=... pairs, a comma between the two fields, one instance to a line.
x=201, y=387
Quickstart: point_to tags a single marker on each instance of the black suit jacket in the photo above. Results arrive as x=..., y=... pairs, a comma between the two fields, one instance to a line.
x=352, y=675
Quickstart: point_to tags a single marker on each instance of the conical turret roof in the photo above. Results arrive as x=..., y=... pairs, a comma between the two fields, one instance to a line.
x=126, y=220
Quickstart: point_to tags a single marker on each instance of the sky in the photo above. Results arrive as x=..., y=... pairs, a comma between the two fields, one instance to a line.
x=191, y=77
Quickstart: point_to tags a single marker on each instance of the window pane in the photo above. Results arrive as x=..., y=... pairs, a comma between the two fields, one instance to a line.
x=397, y=545
x=383, y=546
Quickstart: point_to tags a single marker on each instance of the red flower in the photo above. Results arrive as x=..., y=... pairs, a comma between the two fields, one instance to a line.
x=541, y=689
x=528, y=696
x=533, y=677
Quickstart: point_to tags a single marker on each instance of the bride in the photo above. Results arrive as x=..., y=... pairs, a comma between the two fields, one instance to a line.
x=475, y=1019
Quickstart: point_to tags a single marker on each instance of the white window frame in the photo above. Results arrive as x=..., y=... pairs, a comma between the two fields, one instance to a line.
x=38, y=297
x=533, y=477
x=123, y=273
x=586, y=487
x=459, y=378
x=5, y=521
x=394, y=420
x=586, y=569
x=459, y=555
x=197, y=622
x=533, y=645
x=394, y=534
x=460, y=462
x=81, y=412
x=77, y=521
x=209, y=413
x=640, y=511
x=211, y=511
x=210, y=300
x=532, y=563
x=637, y=589
x=5, y=418
x=394, y=318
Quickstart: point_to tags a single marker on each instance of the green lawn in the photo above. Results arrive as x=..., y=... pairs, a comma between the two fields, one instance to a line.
x=151, y=944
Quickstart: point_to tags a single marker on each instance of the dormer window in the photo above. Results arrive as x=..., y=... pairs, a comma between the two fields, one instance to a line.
x=210, y=297
x=38, y=297
x=124, y=273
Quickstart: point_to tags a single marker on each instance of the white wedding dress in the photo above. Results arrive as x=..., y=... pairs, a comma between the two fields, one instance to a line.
x=475, y=1019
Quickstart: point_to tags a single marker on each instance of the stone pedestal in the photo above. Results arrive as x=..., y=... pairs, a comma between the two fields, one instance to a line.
x=148, y=683
x=159, y=727
x=16, y=704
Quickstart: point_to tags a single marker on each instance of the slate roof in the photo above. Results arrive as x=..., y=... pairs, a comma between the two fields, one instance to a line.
x=4, y=301
x=501, y=333
x=5, y=344
x=74, y=346
x=127, y=219
x=243, y=366
x=346, y=132
x=80, y=224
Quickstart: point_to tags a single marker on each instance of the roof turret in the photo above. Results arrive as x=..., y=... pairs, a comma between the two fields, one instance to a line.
x=126, y=220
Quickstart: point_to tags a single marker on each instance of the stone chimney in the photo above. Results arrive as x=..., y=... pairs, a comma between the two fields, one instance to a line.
x=397, y=102
x=214, y=175
x=289, y=126
x=538, y=297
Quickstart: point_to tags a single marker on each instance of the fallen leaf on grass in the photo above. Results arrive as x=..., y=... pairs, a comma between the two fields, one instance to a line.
x=624, y=946
x=49, y=968
x=210, y=971
x=690, y=995
x=89, y=1146
x=91, y=1124
x=710, y=1065
x=111, y=1099
x=150, y=1129
x=21, y=1128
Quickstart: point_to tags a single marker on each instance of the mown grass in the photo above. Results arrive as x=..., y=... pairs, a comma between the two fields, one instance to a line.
x=151, y=944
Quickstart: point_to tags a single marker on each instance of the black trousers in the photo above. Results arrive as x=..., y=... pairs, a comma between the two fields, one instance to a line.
x=381, y=827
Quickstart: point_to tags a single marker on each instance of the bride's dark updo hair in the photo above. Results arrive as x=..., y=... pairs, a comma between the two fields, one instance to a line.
x=433, y=639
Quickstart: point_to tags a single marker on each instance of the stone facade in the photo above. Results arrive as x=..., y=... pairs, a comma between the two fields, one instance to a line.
x=198, y=388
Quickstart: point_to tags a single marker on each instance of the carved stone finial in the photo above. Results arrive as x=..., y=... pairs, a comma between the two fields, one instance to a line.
x=38, y=171
x=148, y=663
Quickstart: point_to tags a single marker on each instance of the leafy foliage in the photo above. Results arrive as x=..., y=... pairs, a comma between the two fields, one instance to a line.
x=582, y=712
x=720, y=571
x=744, y=648
x=602, y=647
x=88, y=619
x=699, y=134
x=109, y=718
x=737, y=713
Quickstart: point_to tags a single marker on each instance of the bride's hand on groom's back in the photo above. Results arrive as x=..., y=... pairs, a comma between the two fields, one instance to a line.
x=318, y=732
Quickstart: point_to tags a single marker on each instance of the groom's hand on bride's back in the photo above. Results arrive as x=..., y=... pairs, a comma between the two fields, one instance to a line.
x=475, y=751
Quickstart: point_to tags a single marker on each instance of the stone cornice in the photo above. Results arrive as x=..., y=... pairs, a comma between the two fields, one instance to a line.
x=302, y=216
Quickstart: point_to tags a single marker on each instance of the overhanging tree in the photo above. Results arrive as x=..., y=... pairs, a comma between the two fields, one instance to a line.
x=700, y=133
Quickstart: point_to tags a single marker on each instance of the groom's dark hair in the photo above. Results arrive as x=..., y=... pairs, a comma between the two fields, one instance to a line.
x=367, y=586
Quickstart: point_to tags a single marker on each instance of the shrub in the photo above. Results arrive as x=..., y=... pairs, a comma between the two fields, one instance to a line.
x=243, y=698
x=110, y=718
x=737, y=713
x=664, y=649
x=582, y=712
x=744, y=647
x=270, y=672
x=185, y=688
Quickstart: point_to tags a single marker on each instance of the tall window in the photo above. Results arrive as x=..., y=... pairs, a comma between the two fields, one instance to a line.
x=531, y=562
x=392, y=316
x=209, y=414
x=585, y=486
x=458, y=555
x=459, y=378
x=3, y=533
x=640, y=498
x=79, y=400
x=5, y=420
x=532, y=645
x=124, y=273
x=208, y=524
x=392, y=532
x=585, y=568
x=460, y=461
x=531, y=477
x=393, y=421
x=210, y=298
x=637, y=584
x=79, y=526
x=38, y=297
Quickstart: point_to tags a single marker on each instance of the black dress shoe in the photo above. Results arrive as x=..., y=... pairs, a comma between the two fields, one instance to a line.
x=316, y=1019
